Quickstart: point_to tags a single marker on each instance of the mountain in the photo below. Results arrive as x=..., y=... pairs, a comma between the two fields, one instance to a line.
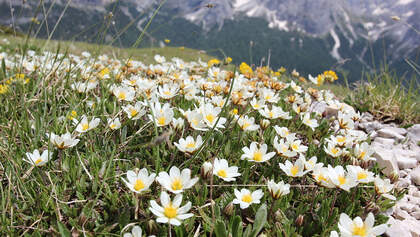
x=350, y=36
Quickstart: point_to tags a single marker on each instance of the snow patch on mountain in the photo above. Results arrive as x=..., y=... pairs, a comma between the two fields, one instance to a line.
x=334, y=51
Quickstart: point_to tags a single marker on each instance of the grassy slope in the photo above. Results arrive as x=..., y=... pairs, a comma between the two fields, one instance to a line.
x=143, y=54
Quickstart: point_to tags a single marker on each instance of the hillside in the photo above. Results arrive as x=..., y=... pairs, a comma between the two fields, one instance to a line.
x=346, y=38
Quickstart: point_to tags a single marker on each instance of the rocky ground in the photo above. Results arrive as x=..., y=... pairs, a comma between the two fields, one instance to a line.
x=397, y=150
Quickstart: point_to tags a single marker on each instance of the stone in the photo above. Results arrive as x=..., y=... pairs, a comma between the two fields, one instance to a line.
x=405, y=162
x=403, y=174
x=403, y=183
x=371, y=126
x=390, y=132
x=415, y=176
x=414, y=133
x=386, y=160
x=416, y=215
x=401, y=214
x=384, y=141
x=407, y=207
x=396, y=229
x=414, y=200
x=367, y=117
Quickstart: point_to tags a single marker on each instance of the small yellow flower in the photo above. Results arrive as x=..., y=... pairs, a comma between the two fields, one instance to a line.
x=167, y=41
x=330, y=76
x=3, y=88
x=245, y=69
x=213, y=62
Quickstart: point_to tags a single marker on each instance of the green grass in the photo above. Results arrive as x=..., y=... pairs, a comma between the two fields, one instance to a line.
x=80, y=190
x=142, y=54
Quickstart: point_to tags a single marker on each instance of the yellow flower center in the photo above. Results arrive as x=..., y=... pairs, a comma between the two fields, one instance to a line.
x=362, y=154
x=270, y=114
x=294, y=170
x=112, y=126
x=85, y=126
x=170, y=211
x=210, y=118
x=222, y=173
x=122, y=96
x=247, y=198
x=139, y=185
x=161, y=121
x=361, y=175
x=334, y=151
x=38, y=161
x=168, y=93
x=295, y=146
x=245, y=125
x=133, y=112
x=341, y=139
x=176, y=184
x=258, y=156
x=191, y=145
x=342, y=180
x=359, y=230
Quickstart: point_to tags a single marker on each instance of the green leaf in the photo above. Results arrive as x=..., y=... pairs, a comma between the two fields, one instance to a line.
x=220, y=229
x=247, y=232
x=260, y=220
x=237, y=227
x=63, y=230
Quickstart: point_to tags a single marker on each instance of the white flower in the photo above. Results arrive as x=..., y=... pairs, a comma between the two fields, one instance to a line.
x=211, y=114
x=195, y=119
x=64, y=141
x=255, y=154
x=36, y=159
x=247, y=123
x=358, y=227
x=268, y=95
x=135, y=232
x=178, y=123
x=162, y=115
x=168, y=90
x=383, y=187
x=257, y=104
x=188, y=145
x=340, y=178
x=134, y=112
x=297, y=146
x=282, y=131
x=159, y=59
x=359, y=174
x=170, y=211
x=274, y=113
x=124, y=93
x=139, y=182
x=332, y=150
x=114, y=123
x=363, y=152
x=245, y=198
x=222, y=170
x=311, y=163
x=176, y=181
x=282, y=147
x=312, y=123
x=321, y=176
x=294, y=170
x=278, y=189
x=84, y=125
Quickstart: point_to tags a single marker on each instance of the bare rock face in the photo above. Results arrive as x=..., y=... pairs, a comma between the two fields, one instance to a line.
x=386, y=160
x=414, y=133
x=415, y=176
x=391, y=132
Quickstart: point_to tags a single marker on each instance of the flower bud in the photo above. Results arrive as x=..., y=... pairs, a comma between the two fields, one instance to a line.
x=299, y=220
x=151, y=226
x=265, y=123
x=206, y=170
x=394, y=176
x=228, y=210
